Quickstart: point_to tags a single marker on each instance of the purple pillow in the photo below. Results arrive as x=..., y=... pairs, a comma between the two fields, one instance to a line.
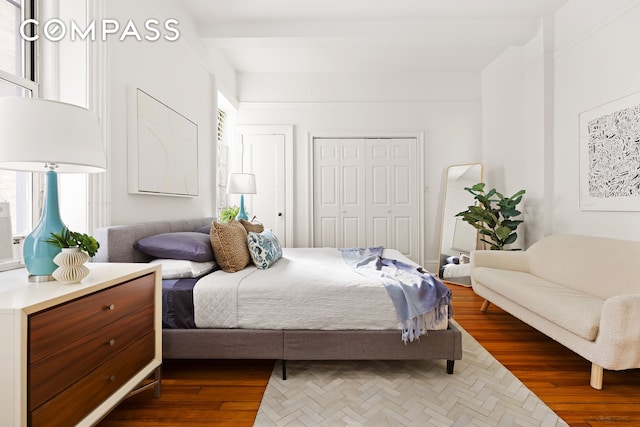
x=189, y=245
x=206, y=229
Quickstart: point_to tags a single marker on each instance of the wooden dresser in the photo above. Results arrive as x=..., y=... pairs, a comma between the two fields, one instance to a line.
x=70, y=353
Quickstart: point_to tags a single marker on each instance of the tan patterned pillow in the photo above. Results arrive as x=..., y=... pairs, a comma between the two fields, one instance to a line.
x=256, y=227
x=229, y=242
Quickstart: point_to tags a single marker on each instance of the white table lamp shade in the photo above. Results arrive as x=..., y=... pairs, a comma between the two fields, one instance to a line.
x=48, y=136
x=241, y=183
x=35, y=132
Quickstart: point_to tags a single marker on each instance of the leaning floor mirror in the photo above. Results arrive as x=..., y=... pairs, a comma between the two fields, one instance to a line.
x=458, y=238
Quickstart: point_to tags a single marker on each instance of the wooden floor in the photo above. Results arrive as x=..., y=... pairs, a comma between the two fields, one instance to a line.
x=228, y=393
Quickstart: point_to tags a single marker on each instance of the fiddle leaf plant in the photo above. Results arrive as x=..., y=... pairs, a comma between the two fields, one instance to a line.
x=71, y=239
x=493, y=215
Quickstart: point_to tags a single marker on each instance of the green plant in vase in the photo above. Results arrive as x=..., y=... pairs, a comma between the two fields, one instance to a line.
x=75, y=250
x=71, y=239
x=493, y=216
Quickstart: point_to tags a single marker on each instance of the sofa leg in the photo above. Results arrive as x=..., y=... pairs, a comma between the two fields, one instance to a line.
x=485, y=306
x=597, y=373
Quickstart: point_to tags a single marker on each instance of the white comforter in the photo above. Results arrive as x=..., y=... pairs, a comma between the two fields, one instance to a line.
x=309, y=288
x=456, y=270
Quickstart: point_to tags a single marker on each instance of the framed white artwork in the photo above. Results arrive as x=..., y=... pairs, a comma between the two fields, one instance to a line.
x=162, y=148
x=610, y=156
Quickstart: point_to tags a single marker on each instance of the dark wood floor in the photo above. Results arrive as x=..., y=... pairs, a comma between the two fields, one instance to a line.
x=228, y=393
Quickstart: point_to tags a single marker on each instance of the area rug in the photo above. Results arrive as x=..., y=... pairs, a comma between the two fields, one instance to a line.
x=481, y=392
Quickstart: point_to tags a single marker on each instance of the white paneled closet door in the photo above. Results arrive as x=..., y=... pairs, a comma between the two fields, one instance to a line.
x=339, y=193
x=392, y=195
x=366, y=193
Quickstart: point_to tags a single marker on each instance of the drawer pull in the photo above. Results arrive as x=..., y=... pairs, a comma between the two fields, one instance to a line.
x=112, y=342
x=112, y=378
x=110, y=307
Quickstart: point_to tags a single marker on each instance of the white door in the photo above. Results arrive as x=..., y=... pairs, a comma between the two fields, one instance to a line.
x=366, y=193
x=339, y=189
x=392, y=195
x=264, y=156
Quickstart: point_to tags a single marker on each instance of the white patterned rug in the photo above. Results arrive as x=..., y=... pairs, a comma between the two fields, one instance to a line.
x=481, y=392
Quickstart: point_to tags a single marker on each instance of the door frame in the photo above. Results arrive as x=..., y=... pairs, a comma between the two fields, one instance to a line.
x=419, y=136
x=287, y=131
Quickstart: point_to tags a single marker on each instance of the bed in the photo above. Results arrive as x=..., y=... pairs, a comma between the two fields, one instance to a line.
x=252, y=335
x=452, y=270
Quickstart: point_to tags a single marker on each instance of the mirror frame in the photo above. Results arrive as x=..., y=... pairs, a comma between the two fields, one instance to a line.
x=459, y=280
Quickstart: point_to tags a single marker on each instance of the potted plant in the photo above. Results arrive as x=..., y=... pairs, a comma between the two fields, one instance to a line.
x=71, y=239
x=229, y=213
x=493, y=216
x=76, y=249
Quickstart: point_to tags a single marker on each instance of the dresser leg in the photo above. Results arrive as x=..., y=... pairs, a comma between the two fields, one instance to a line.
x=155, y=383
x=157, y=378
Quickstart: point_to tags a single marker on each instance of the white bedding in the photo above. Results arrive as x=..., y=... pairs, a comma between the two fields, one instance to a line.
x=309, y=288
x=456, y=270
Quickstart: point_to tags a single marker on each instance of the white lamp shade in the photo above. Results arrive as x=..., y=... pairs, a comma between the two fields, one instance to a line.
x=36, y=132
x=241, y=183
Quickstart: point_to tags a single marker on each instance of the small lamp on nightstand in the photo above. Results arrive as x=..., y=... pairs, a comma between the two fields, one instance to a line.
x=241, y=183
x=40, y=135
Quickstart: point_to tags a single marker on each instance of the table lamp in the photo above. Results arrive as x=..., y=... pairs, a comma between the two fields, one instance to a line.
x=241, y=183
x=39, y=135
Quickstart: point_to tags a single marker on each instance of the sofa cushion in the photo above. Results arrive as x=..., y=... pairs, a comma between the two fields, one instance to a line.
x=568, y=308
x=599, y=266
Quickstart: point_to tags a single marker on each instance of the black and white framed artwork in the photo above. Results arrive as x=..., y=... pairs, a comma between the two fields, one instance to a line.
x=610, y=156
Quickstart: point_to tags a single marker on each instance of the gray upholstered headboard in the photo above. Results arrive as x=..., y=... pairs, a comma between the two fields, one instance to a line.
x=116, y=241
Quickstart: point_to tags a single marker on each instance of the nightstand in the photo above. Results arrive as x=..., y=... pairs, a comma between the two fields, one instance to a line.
x=71, y=352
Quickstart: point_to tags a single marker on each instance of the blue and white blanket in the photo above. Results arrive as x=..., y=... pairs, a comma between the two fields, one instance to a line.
x=413, y=291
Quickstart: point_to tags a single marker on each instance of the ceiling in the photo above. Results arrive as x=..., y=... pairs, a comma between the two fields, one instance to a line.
x=356, y=36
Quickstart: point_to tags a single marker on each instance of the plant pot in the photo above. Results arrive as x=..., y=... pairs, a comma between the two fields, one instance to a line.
x=71, y=268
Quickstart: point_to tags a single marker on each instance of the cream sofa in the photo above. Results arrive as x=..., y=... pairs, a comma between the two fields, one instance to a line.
x=583, y=292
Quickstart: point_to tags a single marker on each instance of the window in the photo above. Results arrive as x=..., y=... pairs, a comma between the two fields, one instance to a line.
x=226, y=120
x=221, y=167
x=17, y=78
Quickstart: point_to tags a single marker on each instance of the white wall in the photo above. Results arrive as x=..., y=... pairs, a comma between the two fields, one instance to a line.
x=584, y=56
x=445, y=108
x=596, y=62
x=516, y=91
x=64, y=76
x=175, y=74
x=225, y=75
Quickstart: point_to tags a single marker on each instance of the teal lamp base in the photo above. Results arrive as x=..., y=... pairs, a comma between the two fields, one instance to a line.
x=242, y=214
x=38, y=254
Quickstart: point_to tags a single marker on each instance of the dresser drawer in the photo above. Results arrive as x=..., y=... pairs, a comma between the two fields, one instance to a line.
x=60, y=326
x=48, y=376
x=74, y=403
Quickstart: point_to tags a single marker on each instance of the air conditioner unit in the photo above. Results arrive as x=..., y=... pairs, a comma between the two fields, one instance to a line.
x=6, y=234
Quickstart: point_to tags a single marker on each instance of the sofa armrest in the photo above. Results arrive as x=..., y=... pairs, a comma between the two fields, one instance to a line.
x=619, y=322
x=503, y=260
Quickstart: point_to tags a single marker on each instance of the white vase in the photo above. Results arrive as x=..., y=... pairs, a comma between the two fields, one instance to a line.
x=71, y=268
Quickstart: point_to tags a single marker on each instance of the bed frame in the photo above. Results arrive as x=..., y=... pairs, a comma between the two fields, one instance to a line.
x=116, y=245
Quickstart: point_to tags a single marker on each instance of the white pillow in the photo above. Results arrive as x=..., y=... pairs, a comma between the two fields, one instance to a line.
x=182, y=268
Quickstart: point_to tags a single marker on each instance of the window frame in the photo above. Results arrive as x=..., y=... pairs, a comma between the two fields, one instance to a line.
x=28, y=81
